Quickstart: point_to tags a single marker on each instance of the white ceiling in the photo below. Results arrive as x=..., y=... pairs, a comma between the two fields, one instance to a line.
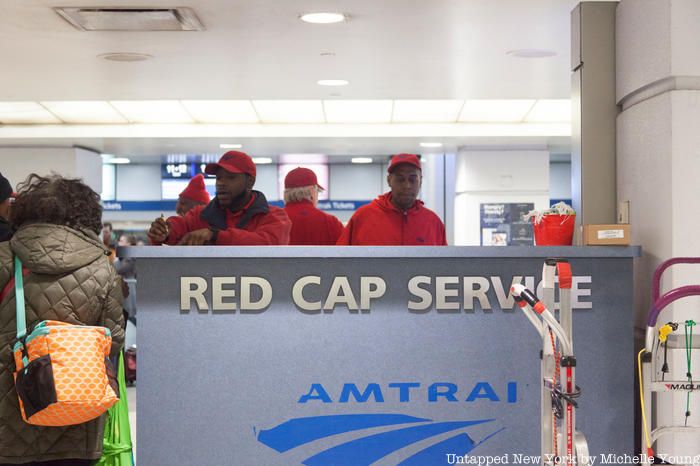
x=258, y=49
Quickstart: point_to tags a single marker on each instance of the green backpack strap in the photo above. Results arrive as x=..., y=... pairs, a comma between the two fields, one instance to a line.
x=19, y=300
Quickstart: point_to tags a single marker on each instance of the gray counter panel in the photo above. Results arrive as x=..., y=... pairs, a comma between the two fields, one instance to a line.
x=210, y=382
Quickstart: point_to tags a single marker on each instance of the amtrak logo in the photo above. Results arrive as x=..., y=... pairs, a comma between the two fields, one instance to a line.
x=374, y=446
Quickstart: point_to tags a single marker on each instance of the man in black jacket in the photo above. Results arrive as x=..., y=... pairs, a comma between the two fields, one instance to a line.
x=6, y=197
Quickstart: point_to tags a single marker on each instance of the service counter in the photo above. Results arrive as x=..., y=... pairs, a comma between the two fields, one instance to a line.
x=358, y=355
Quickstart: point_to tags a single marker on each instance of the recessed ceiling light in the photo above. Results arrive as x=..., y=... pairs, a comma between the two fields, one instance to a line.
x=262, y=160
x=431, y=144
x=118, y=161
x=361, y=160
x=323, y=18
x=125, y=56
x=333, y=82
x=531, y=53
x=231, y=146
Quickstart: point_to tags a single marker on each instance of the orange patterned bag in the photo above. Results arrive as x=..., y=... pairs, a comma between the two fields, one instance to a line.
x=64, y=375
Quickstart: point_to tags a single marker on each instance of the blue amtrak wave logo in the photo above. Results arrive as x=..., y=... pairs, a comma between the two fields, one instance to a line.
x=374, y=446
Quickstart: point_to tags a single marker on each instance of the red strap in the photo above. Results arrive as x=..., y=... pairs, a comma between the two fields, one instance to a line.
x=539, y=307
x=11, y=285
x=564, y=272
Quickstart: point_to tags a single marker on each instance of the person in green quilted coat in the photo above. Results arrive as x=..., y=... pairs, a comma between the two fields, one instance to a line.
x=68, y=278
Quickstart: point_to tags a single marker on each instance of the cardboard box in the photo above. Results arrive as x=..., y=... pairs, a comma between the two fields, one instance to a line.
x=606, y=235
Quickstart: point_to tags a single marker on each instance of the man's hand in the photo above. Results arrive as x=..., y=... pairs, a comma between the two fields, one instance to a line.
x=196, y=237
x=159, y=230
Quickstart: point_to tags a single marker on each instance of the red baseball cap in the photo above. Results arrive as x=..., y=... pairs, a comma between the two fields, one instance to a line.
x=196, y=190
x=233, y=162
x=300, y=177
x=398, y=159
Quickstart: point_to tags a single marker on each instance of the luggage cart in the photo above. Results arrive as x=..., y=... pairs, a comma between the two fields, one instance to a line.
x=558, y=391
x=656, y=377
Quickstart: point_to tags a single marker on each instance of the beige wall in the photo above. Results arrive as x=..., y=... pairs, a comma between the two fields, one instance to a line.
x=16, y=163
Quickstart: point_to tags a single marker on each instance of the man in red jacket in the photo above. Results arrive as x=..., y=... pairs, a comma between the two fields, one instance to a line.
x=237, y=215
x=310, y=226
x=396, y=218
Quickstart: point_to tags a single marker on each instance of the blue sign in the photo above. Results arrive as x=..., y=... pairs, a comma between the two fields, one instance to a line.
x=341, y=205
x=350, y=206
x=556, y=201
x=169, y=205
x=134, y=206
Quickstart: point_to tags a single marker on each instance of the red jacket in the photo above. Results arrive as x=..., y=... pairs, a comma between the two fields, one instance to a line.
x=380, y=223
x=258, y=223
x=311, y=226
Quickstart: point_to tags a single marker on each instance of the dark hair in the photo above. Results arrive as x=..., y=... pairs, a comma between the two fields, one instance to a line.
x=57, y=200
x=130, y=239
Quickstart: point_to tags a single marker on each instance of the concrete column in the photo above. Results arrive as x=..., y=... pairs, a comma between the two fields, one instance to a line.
x=73, y=162
x=594, y=112
x=658, y=161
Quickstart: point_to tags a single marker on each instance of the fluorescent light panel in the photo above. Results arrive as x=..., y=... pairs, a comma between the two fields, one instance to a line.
x=357, y=111
x=152, y=111
x=332, y=82
x=361, y=160
x=262, y=160
x=20, y=113
x=221, y=132
x=547, y=111
x=289, y=111
x=84, y=111
x=221, y=111
x=118, y=161
x=494, y=111
x=426, y=111
x=230, y=146
x=323, y=18
x=286, y=111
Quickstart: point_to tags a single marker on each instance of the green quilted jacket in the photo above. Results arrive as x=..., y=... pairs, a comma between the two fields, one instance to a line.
x=70, y=279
